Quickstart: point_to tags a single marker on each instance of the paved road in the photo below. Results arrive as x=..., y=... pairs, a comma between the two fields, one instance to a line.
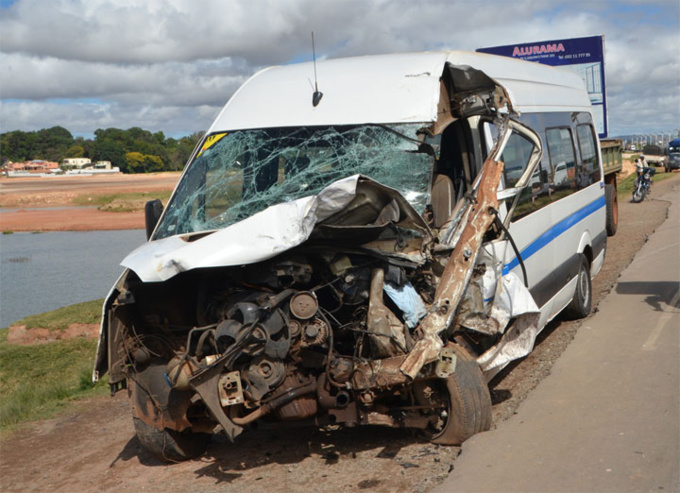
x=608, y=417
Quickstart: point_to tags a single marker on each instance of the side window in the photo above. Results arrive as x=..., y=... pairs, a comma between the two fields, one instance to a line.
x=562, y=159
x=516, y=158
x=534, y=196
x=590, y=171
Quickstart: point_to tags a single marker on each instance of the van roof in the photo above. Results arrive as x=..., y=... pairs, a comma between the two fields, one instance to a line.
x=398, y=88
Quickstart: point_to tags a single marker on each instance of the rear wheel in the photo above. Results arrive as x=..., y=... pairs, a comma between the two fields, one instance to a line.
x=612, y=208
x=583, y=297
x=464, y=397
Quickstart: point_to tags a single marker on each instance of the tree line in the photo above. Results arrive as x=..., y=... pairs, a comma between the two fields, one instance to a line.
x=133, y=150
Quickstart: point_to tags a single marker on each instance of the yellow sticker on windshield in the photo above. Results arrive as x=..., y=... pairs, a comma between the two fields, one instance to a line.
x=211, y=141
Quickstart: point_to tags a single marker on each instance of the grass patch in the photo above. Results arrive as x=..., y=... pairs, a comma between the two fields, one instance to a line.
x=36, y=381
x=8, y=232
x=625, y=186
x=88, y=312
x=133, y=201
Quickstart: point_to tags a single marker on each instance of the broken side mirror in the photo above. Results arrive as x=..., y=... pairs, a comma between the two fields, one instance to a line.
x=152, y=213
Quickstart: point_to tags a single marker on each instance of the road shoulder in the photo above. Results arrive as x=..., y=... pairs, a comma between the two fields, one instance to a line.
x=608, y=417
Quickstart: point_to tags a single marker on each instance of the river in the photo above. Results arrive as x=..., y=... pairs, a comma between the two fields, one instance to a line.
x=46, y=271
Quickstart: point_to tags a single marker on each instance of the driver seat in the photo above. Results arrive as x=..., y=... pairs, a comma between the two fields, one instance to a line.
x=442, y=199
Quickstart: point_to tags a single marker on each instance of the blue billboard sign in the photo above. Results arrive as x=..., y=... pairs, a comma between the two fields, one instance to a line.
x=584, y=56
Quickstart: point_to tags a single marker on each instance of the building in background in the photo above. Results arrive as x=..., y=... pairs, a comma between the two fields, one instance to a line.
x=76, y=162
x=28, y=167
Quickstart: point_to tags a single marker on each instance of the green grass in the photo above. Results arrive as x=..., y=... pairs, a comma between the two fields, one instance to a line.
x=37, y=381
x=88, y=312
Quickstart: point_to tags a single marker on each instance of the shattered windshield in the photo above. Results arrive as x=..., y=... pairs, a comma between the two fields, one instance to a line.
x=238, y=174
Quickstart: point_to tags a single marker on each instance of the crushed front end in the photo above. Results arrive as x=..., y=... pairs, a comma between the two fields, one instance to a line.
x=298, y=274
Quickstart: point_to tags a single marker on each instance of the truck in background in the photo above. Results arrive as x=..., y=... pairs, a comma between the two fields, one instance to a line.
x=654, y=155
x=612, y=163
x=673, y=158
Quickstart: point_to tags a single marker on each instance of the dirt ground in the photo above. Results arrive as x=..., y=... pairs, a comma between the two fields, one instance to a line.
x=21, y=336
x=93, y=447
x=45, y=203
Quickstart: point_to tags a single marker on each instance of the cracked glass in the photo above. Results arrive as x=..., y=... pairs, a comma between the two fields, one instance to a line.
x=238, y=174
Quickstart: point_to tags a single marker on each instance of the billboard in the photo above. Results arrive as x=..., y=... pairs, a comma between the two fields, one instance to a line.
x=584, y=56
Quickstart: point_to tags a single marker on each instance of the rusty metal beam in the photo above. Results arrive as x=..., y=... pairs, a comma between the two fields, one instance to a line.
x=458, y=269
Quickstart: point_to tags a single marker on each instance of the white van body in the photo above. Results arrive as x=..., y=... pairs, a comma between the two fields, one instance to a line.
x=513, y=158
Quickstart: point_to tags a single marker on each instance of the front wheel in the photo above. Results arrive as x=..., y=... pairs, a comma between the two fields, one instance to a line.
x=169, y=445
x=638, y=193
x=581, y=303
x=464, y=398
x=153, y=401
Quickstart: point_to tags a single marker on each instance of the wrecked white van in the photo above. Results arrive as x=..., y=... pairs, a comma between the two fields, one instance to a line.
x=370, y=253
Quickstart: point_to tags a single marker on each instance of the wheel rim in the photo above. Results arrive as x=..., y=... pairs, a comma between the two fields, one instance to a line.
x=583, y=286
x=637, y=194
x=439, y=401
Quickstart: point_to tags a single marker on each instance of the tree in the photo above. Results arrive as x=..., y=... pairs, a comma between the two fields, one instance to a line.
x=109, y=150
x=19, y=146
x=75, y=151
x=180, y=150
x=143, y=163
x=87, y=145
x=152, y=164
x=159, y=138
x=53, y=143
x=156, y=152
x=134, y=162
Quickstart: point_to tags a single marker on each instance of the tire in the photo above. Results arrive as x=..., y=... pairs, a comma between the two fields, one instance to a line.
x=638, y=194
x=581, y=303
x=169, y=445
x=469, y=402
x=611, y=198
x=151, y=396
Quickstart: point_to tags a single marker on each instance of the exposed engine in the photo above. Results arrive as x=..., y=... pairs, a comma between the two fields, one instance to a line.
x=304, y=336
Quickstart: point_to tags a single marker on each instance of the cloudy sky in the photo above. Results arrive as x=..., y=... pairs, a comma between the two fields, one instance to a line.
x=170, y=65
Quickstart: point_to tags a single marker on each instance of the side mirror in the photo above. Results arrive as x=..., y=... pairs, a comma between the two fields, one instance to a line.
x=152, y=213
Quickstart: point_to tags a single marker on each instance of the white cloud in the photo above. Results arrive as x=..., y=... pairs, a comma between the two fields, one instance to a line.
x=83, y=118
x=171, y=64
x=173, y=83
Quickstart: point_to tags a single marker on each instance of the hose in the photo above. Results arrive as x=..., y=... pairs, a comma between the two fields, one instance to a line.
x=500, y=224
x=277, y=402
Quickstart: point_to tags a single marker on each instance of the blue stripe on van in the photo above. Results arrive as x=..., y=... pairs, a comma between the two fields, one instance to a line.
x=555, y=231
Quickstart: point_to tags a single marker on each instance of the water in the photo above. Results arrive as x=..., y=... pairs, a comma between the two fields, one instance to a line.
x=42, y=272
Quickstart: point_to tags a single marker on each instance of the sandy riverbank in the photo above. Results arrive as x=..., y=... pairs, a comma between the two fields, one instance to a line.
x=46, y=204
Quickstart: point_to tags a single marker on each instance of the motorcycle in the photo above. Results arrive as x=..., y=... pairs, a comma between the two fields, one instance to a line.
x=643, y=184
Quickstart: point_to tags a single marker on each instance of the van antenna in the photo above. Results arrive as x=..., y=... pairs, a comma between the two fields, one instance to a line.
x=316, y=97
